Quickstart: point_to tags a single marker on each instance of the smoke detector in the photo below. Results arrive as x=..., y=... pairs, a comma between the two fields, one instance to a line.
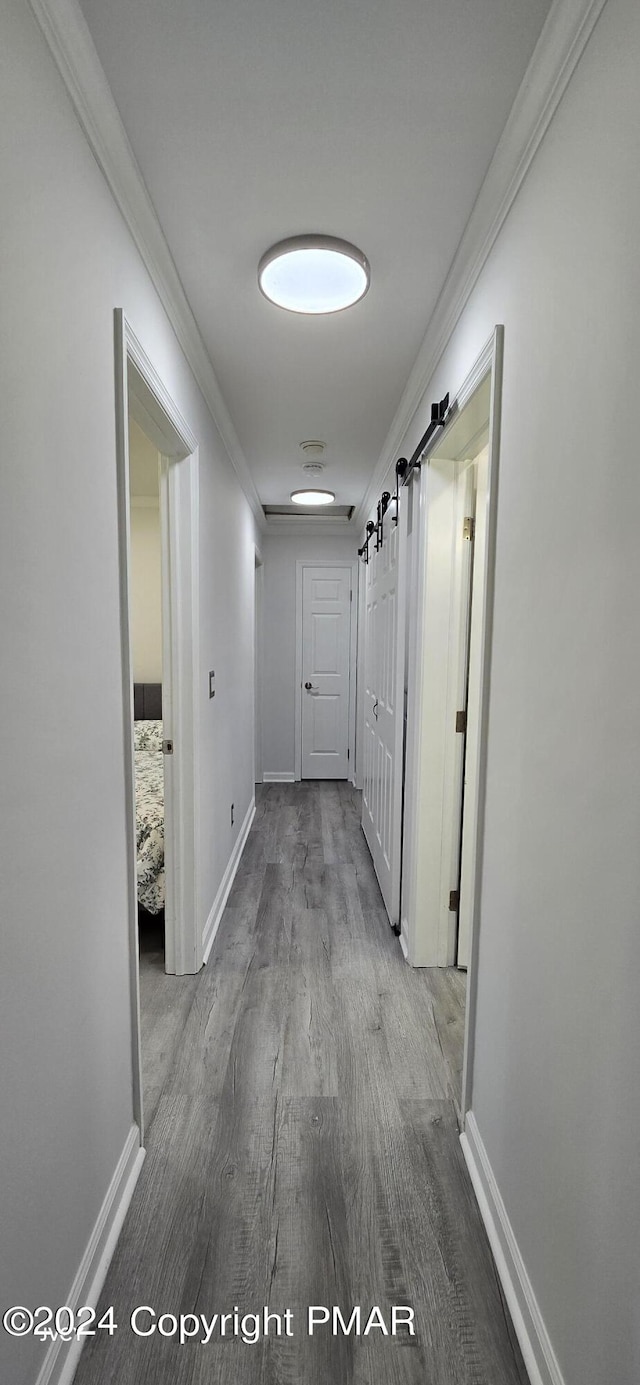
x=313, y=468
x=312, y=447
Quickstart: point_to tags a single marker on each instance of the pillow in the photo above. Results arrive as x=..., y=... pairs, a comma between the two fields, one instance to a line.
x=147, y=735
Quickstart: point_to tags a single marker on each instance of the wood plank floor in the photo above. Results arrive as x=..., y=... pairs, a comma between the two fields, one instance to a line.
x=165, y=1002
x=304, y=1148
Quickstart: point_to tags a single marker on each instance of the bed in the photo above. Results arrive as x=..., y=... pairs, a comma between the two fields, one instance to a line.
x=149, y=775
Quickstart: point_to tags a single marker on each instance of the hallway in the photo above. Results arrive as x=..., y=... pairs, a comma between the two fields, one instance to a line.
x=304, y=1148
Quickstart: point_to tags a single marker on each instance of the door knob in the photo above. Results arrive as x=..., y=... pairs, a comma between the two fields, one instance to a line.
x=310, y=687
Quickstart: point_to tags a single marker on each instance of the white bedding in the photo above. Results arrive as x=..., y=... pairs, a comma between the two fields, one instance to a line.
x=149, y=774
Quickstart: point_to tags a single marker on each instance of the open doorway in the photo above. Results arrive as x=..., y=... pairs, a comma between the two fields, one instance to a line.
x=158, y=530
x=153, y=854
x=449, y=638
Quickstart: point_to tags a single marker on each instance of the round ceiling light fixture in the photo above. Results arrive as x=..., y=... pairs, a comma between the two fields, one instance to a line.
x=312, y=497
x=314, y=274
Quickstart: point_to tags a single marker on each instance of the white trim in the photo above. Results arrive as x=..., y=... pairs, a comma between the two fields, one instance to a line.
x=277, y=776
x=61, y=1361
x=470, y=894
x=562, y=41
x=217, y=909
x=539, y=1357
x=180, y=678
x=460, y=588
x=480, y=368
x=301, y=564
x=69, y=38
x=124, y=544
x=159, y=391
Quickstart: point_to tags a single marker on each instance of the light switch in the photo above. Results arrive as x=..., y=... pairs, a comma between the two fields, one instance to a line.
x=212, y=683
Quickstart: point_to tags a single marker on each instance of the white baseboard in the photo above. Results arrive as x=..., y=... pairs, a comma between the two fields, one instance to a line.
x=539, y=1357
x=217, y=909
x=403, y=942
x=277, y=776
x=60, y=1363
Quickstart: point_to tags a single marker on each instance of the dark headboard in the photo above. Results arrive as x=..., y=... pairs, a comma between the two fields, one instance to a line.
x=147, y=701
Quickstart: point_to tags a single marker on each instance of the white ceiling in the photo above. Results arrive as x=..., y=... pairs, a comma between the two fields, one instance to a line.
x=373, y=120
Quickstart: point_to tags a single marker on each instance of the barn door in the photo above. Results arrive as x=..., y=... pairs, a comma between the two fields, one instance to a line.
x=384, y=711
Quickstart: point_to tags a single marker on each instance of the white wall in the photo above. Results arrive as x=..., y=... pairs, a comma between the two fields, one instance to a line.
x=281, y=552
x=145, y=553
x=555, y=1081
x=145, y=592
x=66, y=1090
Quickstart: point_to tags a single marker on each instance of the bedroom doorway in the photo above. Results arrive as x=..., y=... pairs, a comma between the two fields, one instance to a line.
x=145, y=605
x=157, y=496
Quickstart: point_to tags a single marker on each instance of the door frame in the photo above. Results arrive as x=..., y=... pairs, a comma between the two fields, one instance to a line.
x=435, y=943
x=301, y=564
x=140, y=390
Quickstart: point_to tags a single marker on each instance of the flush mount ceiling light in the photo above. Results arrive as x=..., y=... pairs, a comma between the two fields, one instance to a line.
x=311, y=497
x=314, y=274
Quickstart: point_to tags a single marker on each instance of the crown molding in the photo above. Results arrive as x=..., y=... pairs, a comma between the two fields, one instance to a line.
x=69, y=39
x=564, y=37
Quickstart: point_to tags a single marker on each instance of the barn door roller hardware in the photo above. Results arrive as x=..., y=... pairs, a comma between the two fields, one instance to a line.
x=383, y=506
x=401, y=467
x=364, y=551
x=440, y=414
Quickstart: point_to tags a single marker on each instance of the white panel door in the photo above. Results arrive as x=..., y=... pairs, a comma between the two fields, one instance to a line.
x=384, y=713
x=326, y=642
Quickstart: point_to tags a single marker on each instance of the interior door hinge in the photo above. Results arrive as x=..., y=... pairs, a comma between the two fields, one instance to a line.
x=469, y=528
x=167, y=747
x=461, y=720
x=347, y=754
x=454, y=901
